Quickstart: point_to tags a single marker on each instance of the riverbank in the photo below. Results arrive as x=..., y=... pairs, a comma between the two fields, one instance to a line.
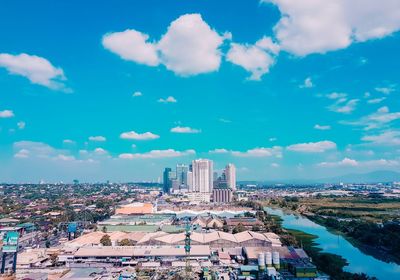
x=351, y=259
x=377, y=252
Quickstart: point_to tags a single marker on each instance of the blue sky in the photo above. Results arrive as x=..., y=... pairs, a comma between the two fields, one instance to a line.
x=118, y=90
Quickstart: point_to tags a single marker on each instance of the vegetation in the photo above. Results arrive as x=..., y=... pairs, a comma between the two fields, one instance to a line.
x=105, y=240
x=331, y=264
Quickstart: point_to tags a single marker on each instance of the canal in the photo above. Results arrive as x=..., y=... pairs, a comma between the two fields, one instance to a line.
x=336, y=244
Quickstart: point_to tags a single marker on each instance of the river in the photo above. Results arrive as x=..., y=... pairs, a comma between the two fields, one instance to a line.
x=336, y=244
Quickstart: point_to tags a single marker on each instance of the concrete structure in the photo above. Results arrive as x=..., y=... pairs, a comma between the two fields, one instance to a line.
x=202, y=176
x=230, y=175
x=222, y=195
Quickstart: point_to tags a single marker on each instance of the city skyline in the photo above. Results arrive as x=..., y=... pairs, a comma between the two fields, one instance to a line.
x=119, y=91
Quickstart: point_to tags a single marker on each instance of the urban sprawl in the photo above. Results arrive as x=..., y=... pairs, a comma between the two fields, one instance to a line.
x=196, y=224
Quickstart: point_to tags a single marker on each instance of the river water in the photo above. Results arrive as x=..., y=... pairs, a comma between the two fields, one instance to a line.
x=336, y=244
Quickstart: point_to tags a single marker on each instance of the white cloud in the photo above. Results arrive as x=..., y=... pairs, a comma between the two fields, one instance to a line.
x=21, y=125
x=375, y=120
x=313, y=147
x=137, y=94
x=184, y=129
x=389, y=138
x=6, y=114
x=190, y=46
x=169, y=99
x=132, y=45
x=132, y=135
x=23, y=153
x=37, y=69
x=260, y=152
x=40, y=150
x=97, y=138
x=219, y=151
x=100, y=151
x=343, y=162
x=336, y=95
x=322, y=127
x=319, y=26
x=275, y=165
x=376, y=100
x=68, y=141
x=153, y=154
x=256, y=59
x=272, y=139
x=348, y=162
x=307, y=83
x=343, y=106
x=385, y=90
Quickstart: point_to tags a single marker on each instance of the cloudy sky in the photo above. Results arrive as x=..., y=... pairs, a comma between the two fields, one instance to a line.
x=118, y=90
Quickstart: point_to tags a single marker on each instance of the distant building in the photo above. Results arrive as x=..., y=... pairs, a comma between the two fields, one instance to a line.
x=230, y=175
x=222, y=195
x=202, y=176
x=182, y=173
x=168, y=176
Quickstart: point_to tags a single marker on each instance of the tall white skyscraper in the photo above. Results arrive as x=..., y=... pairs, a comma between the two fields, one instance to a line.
x=202, y=176
x=230, y=173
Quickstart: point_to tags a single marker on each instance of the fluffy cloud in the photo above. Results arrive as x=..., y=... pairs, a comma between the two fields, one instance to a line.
x=336, y=95
x=184, y=129
x=343, y=162
x=275, y=151
x=169, y=99
x=375, y=120
x=389, y=138
x=137, y=94
x=256, y=59
x=348, y=162
x=319, y=26
x=100, y=151
x=219, y=151
x=322, y=127
x=27, y=149
x=6, y=114
x=313, y=147
x=189, y=47
x=132, y=135
x=97, y=138
x=37, y=69
x=132, y=45
x=169, y=153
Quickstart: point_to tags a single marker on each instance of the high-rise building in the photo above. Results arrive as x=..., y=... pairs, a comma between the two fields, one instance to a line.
x=168, y=176
x=202, y=176
x=230, y=174
x=189, y=180
x=181, y=173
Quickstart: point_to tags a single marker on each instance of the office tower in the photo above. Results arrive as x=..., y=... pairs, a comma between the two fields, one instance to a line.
x=181, y=173
x=189, y=180
x=202, y=175
x=230, y=174
x=168, y=176
x=222, y=195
